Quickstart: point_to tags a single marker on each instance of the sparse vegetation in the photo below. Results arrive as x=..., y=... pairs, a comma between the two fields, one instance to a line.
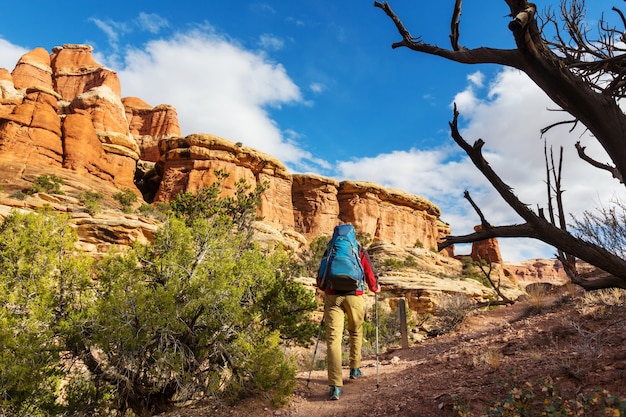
x=47, y=184
x=19, y=195
x=451, y=311
x=317, y=247
x=392, y=264
x=126, y=198
x=471, y=270
x=388, y=330
x=543, y=398
x=92, y=201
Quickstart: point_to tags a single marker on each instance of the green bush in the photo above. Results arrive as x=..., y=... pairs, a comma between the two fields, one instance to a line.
x=126, y=198
x=41, y=283
x=92, y=200
x=388, y=330
x=201, y=311
x=315, y=253
x=46, y=184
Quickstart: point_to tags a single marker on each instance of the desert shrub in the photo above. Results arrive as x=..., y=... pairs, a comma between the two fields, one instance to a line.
x=410, y=262
x=41, y=281
x=391, y=264
x=46, y=184
x=197, y=302
x=92, y=201
x=472, y=270
x=314, y=255
x=240, y=208
x=364, y=239
x=537, y=295
x=605, y=227
x=19, y=195
x=126, y=198
x=451, y=312
x=389, y=332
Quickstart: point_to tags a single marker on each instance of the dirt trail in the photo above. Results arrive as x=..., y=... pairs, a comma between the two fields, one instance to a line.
x=579, y=348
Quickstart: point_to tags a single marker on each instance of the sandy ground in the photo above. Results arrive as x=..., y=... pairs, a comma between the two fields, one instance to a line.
x=578, y=346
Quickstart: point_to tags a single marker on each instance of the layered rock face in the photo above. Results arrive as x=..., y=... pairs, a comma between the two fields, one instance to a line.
x=148, y=125
x=389, y=215
x=315, y=204
x=189, y=164
x=386, y=215
x=62, y=113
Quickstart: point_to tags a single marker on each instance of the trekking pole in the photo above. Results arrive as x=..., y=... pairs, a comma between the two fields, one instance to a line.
x=319, y=334
x=376, y=302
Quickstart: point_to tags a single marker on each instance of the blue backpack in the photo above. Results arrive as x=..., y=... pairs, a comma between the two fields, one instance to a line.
x=341, y=269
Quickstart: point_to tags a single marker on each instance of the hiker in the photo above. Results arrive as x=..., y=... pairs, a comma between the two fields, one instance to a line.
x=348, y=301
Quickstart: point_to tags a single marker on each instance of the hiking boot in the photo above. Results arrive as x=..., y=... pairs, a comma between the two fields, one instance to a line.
x=335, y=392
x=355, y=373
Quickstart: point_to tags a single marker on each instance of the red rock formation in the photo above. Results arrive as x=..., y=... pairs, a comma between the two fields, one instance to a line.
x=9, y=96
x=62, y=113
x=33, y=70
x=315, y=205
x=31, y=133
x=487, y=249
x=386, y=215
x=188, y=165
x=75, y=72
x=389, y=215
x=82, y=148
x=46, y=91
x=149, y=124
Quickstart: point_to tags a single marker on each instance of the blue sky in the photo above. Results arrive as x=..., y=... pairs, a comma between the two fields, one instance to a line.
x=316, y=84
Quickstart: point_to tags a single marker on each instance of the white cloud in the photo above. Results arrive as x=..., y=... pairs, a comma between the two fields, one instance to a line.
x=216, y=87
x=10, y=54
x=151, y=22
x=271, y=42
x=317, y=88
x=476, y=78
x=111, y=29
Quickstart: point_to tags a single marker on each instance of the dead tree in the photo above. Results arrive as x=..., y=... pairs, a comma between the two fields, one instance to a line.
x=585, y=77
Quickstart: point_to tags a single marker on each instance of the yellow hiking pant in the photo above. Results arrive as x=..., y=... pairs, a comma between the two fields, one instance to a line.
x=334, y=308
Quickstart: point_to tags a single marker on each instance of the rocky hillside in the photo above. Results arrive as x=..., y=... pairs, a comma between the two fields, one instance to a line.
x=62, y=114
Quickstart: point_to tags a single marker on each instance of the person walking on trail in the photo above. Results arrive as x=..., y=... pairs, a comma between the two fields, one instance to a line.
x=350, y=302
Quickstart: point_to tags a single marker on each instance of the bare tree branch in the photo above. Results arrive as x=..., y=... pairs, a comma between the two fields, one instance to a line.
x=496, y=287
x=585, y=77
x=483, y=221
x=581, y=153
x=536, y=226
x=467, y=56
x=454, y=26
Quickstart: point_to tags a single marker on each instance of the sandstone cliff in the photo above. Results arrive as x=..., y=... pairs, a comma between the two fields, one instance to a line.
x=62, y=114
